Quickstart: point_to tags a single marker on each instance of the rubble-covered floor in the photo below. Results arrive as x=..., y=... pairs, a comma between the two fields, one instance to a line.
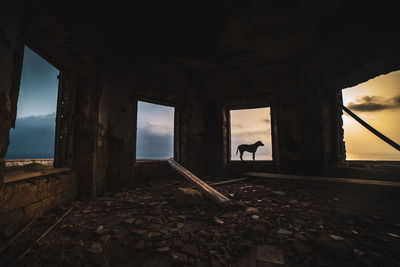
x=296, y=224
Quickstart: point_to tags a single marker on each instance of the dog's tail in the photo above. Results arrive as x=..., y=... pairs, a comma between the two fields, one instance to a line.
x=237, y=150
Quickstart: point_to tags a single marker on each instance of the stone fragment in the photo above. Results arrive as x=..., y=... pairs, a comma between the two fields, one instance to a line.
x=178, y=243
x=179, y=257
x=300, y=236
x=354, y=231
x=96, y=248
x=130, y=220
x=218, y=221
x=336, y=237
x=259, y=229
x=299, y=246
x=139, y=222
x=188, y=196
x=255, y=217
x=393, y=235
x=284, y=232
x=306, y=204
x=358, y=252
x=140, y=245
x=269, y=255
x=190, y=249
x=279, y=193
x=163, y=249
x=251, y=210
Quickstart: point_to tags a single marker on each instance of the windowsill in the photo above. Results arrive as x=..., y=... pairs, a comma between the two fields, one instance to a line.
x=251, y=161
x=151, y=160
x=9, y=178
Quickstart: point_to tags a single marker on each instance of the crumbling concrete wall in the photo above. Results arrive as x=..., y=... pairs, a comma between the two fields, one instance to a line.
x=27, y=199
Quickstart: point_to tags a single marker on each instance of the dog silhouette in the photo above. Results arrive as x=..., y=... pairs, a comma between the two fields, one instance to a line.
x=249, y=148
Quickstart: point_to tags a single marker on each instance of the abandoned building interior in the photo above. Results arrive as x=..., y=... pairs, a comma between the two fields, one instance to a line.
x=302, y=203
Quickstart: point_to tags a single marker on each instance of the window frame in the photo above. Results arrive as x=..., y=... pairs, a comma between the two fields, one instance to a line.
x=227, y=136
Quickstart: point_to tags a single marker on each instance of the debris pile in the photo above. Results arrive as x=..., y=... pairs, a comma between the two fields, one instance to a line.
x=275, y=224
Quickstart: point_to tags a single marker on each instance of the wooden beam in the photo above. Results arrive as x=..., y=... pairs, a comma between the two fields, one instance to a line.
x=320, y=179
x=23, y=176
x=371, y=129
x=229, y=181
x=44, y=234
x=201, y=185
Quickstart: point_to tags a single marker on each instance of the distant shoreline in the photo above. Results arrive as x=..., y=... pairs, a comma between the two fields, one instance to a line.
x=22, y=162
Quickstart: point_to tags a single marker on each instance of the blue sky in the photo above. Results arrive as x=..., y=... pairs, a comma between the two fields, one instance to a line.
x=33, y=136
x=38, y=89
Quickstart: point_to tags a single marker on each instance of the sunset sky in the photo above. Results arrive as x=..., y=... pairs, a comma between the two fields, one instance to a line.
x=377, y=102
x=249, y=126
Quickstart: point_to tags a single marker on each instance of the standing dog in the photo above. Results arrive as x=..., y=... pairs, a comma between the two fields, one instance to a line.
x=249, y=148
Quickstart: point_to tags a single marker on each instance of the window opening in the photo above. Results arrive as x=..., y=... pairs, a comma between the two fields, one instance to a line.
x=155, y=131
x=34, y=133
x=247, y=127
x=377, y=102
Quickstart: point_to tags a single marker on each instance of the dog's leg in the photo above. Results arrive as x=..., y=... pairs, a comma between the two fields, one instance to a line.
x=241, y=154
x=254, y=156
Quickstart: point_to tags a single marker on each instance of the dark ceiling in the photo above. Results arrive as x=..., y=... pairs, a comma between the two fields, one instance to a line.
x=211, y=35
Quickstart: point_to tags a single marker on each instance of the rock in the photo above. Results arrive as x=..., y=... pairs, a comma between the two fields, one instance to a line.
x=358, y=252
x=163, y=249
x=99, y=229
x=300, y=236
x=306, y=204
x=267, y=255
x=140, y=245
x=96, y=247
x=139, y=222
x=336, y=237
x=284, y=232
x=300, y=247
x=178, y=243
x=251, y=210
x=393, y=235
x=190, y=249
x=188, y=196
x=179, y=257
x=130, y=220
x=218, y=221
x=255, y=217
x=259, y=229
x=279, y=193
x=167, y=236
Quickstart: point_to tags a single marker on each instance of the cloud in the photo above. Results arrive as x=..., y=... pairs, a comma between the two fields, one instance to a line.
x=154, y=142
x=375, y=103
x=33, y=137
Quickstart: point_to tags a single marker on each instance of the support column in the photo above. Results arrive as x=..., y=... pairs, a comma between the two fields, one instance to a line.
x=306, y=132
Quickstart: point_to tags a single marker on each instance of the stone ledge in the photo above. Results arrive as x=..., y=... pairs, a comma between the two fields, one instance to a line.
x=24, y=176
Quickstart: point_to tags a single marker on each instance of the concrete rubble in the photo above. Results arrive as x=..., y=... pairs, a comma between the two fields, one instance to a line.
x=149, y=226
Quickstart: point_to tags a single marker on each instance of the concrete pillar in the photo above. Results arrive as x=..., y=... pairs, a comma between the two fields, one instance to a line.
x=306, y=132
